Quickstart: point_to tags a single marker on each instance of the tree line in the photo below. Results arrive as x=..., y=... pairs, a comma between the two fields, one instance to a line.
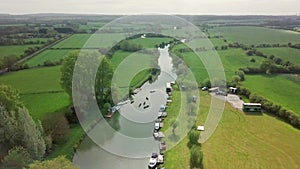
x=271, y=107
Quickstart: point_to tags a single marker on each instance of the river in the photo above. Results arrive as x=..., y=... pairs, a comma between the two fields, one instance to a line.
x=135, y=124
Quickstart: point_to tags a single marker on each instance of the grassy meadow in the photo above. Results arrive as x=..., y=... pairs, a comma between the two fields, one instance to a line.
x=16, y=50
x=48, y=55
x=38, y=80
x=39, y=88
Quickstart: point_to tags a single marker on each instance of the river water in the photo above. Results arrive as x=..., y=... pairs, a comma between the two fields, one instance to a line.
x=135, y=122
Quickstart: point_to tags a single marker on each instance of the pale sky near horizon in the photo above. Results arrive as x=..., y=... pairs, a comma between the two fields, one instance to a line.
x=218, y=7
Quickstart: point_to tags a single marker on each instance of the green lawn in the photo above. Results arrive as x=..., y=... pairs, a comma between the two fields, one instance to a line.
x=51, y=55
x=281, y=89
x=36, y=80
x=14, y=50
x=256, y=35
x=41, y=104
x=286, y=54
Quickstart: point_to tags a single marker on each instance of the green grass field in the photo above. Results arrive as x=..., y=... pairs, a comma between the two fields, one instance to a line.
x=14, y=50
x=256, y=35
x=286, y=54
x=281, y=89
x=150, y=42
x=48, y=55
x=232, y=60
x=41, y=104
x=39, y=89
x=37, y=80
x=242, y=141
x=74, y=41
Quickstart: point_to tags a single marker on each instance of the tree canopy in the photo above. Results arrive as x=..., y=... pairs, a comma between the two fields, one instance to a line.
x=57, y=163
x=103, y=76
x=17, y=127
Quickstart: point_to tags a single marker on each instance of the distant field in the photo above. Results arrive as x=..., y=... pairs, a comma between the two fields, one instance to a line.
x=233, y=59
x=91, y=25
x=281, y=89
x=75, y=41
x=150, y=42
x=95, y=41
x=14, y=50
x=218, y=42
x=34, y=80
x=51, y=55
x=286, y=54
x=242, y=141
x=256, y=35
x=43, y=103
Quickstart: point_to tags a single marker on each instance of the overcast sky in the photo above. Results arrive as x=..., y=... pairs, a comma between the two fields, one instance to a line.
x=220, y=7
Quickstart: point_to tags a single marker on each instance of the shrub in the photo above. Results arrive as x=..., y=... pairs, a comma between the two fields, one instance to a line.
x=196, y=157
x=17, y=157
x=57, y=126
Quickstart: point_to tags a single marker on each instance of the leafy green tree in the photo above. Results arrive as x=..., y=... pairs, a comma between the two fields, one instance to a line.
x=67, y=72
x=57, y=163
x=17, y=128
x=194, y=136
x=17, y=158
x=241, y=74
x=103, y=77
x=8, y=62
x=196, y=157
x=103, y=80
x=9, y=98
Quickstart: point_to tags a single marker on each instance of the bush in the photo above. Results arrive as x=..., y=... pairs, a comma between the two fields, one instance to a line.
x=17, y=157
x=252, y=60
x=57, y=126
x=196, y=157
x=193, y=137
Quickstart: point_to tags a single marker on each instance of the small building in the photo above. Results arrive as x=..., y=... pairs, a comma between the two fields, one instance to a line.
x=251, y=107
